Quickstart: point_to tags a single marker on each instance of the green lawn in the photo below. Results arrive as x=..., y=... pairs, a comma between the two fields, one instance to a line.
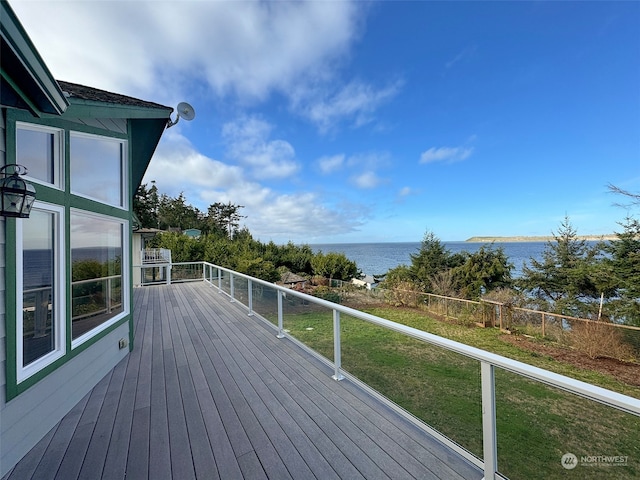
x=536, y=424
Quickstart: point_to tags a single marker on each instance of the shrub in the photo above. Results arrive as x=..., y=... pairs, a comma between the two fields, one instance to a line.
x=597, y=339
x=327, y=293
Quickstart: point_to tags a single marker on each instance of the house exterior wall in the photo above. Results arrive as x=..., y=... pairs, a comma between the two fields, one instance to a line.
x=26, y=417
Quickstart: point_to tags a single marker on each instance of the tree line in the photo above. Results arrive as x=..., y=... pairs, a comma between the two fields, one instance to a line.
x=223, y=242
x=574, y=277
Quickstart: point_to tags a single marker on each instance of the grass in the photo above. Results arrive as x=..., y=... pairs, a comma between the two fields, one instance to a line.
x=537, y=424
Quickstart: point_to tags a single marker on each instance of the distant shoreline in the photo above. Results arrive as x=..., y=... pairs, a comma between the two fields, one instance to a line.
x=537, y=238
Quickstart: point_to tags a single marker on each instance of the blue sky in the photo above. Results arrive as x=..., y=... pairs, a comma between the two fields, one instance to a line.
x=338, y=122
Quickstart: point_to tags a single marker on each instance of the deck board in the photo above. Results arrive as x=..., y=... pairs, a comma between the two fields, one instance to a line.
x=209, y=392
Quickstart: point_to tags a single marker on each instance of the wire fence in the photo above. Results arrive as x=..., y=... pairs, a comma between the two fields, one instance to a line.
x=593, y=337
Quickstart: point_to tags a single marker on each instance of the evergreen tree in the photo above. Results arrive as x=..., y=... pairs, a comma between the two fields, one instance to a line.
x=623, y=266
x=145, y=206
x=432, y=259
x=334, y=266
x=566, y=277
x=225, y=217
x=484, y=270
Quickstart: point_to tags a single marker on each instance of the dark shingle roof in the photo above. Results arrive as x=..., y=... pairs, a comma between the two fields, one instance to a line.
x=73, y=90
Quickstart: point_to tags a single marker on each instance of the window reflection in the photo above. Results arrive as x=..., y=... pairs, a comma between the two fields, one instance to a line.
x=96, y=256
x=38, y=150
x=38, y=264
x=97, y=166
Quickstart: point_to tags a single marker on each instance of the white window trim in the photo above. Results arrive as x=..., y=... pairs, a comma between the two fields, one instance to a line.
x=124, y=168
x=58, y=150
x=59, y=295
x=126, y=280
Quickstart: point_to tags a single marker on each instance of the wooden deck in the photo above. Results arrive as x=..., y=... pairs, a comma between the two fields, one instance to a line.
x=209, y=392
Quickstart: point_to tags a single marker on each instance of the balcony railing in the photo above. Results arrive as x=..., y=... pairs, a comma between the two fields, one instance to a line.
x=270, y=302
x=156, y=255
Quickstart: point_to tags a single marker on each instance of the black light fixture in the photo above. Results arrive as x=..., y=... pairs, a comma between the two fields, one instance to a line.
x=16, y=195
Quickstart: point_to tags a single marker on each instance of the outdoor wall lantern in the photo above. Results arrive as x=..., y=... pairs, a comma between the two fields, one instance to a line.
x=16, y=195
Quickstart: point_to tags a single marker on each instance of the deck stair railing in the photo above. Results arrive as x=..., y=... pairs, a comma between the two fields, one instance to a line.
x=242, y=288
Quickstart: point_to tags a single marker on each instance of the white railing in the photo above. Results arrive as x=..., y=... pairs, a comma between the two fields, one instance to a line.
x=215, y=276
x=153, y=274
x=156, y=255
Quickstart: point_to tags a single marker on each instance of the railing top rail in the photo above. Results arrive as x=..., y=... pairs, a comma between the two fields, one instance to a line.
x=599, y=394
x=89, y=280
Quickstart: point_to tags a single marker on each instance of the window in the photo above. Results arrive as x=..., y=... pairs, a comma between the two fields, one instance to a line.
x=40, y=284
x=99, y=287
x=98, y=168
x=40, y=150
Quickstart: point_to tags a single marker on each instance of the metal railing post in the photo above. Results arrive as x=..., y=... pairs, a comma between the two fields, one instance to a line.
x=280, y=317
x=108, y=295
x=232, y=289
x=250, y=297
x=219, y=281
x=489, y=432
x=337, y=355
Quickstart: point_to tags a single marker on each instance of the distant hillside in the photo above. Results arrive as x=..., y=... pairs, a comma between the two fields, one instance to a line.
x=536, y=238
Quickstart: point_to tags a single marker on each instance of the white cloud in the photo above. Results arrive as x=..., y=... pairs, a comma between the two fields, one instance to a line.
x=446, y=154
x=355, y=102
x=405, y=191
x=178, y=167
x=465, y=54
x=248, y=143
x=330, y=164
x=300, y=218
x=176, y=163
x=367, y=180
x=248, y=49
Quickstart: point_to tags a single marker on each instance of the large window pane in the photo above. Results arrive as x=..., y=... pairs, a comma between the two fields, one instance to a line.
x=97, y=247
x=40, y=301
x=38, y=330
x=38, y=149
x=97, y=168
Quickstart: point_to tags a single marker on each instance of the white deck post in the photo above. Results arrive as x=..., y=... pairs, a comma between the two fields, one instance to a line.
x=489, y=433
x=337, y=355
x=232, y=289
x=219, y=280
x=250, y=296
x=280, y=318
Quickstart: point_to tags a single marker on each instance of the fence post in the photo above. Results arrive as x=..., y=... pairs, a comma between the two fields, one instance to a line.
x=543, y=335
x=280, y=316
x=250, y=296
x=489, y=433
x=337, y=355
x=500, y=313
x=232, y=289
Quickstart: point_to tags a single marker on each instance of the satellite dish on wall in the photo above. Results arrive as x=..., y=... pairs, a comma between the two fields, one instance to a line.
x=184, y=110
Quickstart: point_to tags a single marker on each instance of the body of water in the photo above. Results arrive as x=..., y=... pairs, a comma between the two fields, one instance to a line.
x=378, y=258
